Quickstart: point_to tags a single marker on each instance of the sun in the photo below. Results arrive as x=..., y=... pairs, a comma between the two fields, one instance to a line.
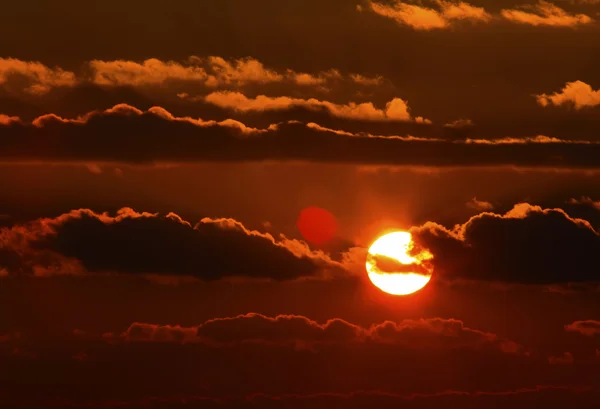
x=392, y=267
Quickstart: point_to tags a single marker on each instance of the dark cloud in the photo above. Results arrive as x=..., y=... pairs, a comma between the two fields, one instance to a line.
x=254, y=357
x=143, y=243
x=546, y=396
x=435, y=333
x=126, y=134
x=526, y=245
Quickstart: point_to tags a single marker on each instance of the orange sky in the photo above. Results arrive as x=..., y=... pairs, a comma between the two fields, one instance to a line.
x=188, y=191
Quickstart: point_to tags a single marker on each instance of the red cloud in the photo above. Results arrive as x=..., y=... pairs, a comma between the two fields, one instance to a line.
x=299, y=330
x=587, y=327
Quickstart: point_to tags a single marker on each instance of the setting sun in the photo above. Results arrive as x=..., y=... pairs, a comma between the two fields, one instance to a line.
x=393, y=269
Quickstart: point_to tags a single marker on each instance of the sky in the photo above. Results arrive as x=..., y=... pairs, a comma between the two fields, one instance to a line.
x=189, y=190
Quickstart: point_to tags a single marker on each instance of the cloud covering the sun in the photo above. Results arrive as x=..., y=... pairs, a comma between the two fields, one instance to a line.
x=527, y=245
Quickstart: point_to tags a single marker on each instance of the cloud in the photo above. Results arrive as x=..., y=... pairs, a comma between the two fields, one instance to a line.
x=125, y=134
x=587, y=327
x=528, y=245
x=480, y=205
x=7, y=120
x=361, y=79
x=297, y=330
x=257, y=359
x=395, y=110
x=144, y=243
x=534, y=139
x=565, y=359
x=545, y=14
x=443, y=14
x=39, y=79
x=549, y=396
x=212, y=72
x=577, y=94
x=425, y=18
x=149, y=72
x=585, y=201
x=460, y=123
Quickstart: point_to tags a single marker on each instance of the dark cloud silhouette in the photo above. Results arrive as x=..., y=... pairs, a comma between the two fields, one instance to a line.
x=527, y=245
x=298, y=330
x=547, y=396
x=289, y=358
x=126, y=134
x=144, y=243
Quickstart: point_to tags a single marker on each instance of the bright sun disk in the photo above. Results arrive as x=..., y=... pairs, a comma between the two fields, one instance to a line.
x=397, y=246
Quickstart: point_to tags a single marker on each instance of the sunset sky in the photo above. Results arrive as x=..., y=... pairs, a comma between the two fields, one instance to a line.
x=189, y=191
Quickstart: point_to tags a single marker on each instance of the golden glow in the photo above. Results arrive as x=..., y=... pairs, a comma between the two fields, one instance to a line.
x=396, y=246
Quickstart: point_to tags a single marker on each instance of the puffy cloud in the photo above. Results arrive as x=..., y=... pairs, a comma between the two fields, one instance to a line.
x=442, y=14
x=151, y=71
x=480, y=205
x=545, y=14
x=587, y=327
x=38, y=77
x=212, y=72
x=126, y=134
x=395, y=110
x=144, y=243
x=577, y=94
x=528, y=244
x=425, y=18
x=585, y=201
x=7, y=120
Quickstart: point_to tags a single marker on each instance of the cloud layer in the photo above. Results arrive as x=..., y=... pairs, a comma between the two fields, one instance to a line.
x=212, y=72
x=127, y=134
x=526, y=245
x=395, y=110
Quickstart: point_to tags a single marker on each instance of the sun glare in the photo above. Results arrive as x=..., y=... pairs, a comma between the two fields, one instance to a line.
x=396, y=246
